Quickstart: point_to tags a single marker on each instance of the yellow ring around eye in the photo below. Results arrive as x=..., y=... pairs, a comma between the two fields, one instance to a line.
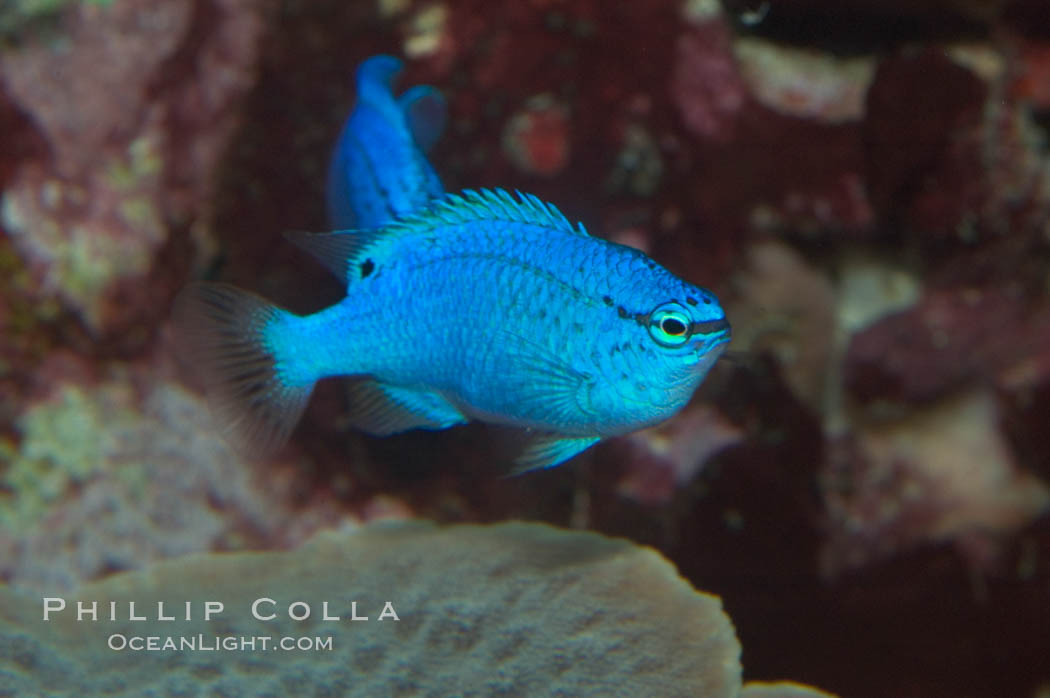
x=669, y=326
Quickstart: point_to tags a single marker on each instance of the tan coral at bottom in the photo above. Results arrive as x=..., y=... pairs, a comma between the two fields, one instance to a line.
x=509, y=609
x=781, y=689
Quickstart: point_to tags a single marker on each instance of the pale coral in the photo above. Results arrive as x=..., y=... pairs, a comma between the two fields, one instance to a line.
x=805, y=83
x=114, y=474
x=511, y=609
x=785, y=306
x=943, y=474
x=781, y=689
x=133, y=130
x=666, y=457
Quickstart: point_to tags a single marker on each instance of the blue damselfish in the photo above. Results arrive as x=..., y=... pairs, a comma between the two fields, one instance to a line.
x=379, y=169
x=483, y=305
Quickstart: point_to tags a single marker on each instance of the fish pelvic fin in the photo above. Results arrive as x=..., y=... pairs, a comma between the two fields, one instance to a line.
x=228, y=335
x=546, y=450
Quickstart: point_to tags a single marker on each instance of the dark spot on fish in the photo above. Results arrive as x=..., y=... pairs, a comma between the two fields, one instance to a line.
x=691, y=301
x=542, y=314
x=578, y=327
x=607, y=300
x=623, y=376
x=367, y=267
x=622, y=312
x=707, y=300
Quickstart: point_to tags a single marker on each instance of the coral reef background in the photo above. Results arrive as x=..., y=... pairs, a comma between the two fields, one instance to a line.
x=865, y=184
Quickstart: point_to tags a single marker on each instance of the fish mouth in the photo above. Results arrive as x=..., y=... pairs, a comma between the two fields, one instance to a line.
x=713, y=337
x=710, y=327
x=712, y=332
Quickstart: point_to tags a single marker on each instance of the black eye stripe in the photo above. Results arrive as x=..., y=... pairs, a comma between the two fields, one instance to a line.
x=669, y=324
x=709, y=327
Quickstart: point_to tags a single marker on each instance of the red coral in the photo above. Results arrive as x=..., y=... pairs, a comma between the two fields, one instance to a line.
x=1031, y=83
x=917, y=108
x=536, y=139
x=951, y=337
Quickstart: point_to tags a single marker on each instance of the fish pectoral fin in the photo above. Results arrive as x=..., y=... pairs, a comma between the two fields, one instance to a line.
x=382, y=409
x=426, y=113
x=551, y=389
x=337, y=251
x=547, y=449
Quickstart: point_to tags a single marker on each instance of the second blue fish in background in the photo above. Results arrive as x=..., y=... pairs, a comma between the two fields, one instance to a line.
x=378, y=169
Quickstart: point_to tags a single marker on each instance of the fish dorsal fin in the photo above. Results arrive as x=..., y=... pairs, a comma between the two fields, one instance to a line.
x=381, y=409
x=426, y=113
x=472, y=205
x=547, y=449
x=339, y=250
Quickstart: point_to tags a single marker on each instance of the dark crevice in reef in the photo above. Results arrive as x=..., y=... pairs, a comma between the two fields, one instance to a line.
x=858, y=28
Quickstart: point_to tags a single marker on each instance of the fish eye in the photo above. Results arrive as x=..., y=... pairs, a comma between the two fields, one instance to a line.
x=669, y=325
x=672, y=326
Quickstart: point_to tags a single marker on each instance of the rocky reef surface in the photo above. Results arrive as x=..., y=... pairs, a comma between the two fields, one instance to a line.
x=865, y=185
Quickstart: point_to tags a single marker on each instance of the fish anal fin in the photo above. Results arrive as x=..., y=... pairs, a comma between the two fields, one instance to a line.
x=382, y=409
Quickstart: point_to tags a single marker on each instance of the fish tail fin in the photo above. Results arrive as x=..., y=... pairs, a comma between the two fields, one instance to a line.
x=229, y=336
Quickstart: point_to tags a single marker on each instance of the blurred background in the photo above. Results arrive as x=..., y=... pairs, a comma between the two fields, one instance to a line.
x=865, y=185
